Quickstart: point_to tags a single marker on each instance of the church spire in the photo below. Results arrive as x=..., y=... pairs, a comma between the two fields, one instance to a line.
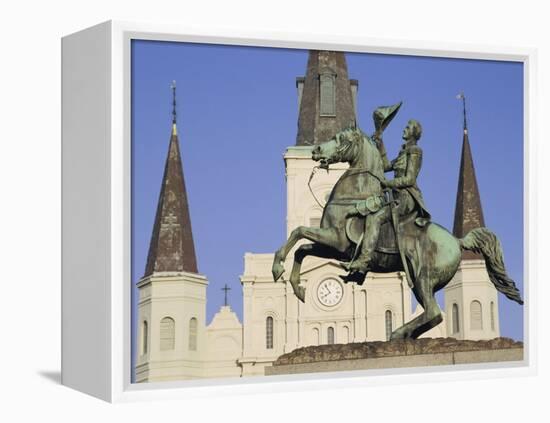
x=172, y=248
x=468, y=211
x=326, y=98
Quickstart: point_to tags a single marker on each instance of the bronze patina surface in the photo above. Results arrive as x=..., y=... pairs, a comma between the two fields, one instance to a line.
x=428, y=252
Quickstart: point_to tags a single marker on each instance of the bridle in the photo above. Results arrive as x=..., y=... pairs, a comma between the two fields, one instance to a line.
x=339, y=154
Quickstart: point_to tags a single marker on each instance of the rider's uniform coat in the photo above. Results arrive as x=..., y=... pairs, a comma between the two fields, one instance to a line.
x=406, y=167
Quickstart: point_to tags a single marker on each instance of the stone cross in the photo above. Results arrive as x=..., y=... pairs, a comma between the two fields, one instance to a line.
x=226, y=288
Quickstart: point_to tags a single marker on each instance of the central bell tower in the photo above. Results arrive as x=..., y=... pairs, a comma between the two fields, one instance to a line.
x=327, y=98
x=327, y=101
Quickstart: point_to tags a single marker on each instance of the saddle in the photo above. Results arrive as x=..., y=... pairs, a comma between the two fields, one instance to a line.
x=387, y=242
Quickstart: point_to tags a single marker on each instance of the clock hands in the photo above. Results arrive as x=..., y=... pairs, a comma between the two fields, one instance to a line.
x=329, y=293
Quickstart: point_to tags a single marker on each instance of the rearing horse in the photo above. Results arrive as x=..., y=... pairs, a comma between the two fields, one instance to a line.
x=432, y=253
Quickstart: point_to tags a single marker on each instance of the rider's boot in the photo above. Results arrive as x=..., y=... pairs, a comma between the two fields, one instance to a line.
x=361, y=263
x=370, y=238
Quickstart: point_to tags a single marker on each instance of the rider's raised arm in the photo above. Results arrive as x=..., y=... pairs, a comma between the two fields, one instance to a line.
x=414, y=163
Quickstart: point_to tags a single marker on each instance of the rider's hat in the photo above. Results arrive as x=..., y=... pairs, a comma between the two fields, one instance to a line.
x=383, y=115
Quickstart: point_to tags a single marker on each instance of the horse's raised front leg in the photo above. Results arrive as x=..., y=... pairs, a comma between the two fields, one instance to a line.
x=330, y=237
x=303, y=251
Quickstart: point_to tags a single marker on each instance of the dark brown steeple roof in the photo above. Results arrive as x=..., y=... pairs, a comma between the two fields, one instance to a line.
x=468, y=211
x=326, y=101
x=172, y=248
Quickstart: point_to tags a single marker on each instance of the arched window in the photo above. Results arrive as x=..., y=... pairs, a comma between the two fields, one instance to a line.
x=476, y=322
x=388, y=325
x=492, y=315
x=269, y=333
x=327, y=88
x=144, y=336
x=193, y=334
x=345, y=334
x=330, y=335
x=315, y=336
x=456, y=321
x=167, y=334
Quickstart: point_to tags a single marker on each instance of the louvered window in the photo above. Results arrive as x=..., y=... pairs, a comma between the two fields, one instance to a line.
x=269, y=332
x=388, y=325
x=476, y=322
x=144, y=336
x=456, y=322
x=330, y=335
x=167, y=334
x=193, y=334
x=327, y=89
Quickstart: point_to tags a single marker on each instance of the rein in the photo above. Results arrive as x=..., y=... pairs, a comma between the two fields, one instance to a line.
x=350, y=172
x=309, y=186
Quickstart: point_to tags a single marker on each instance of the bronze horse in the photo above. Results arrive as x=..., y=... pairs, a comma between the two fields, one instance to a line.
x=432, y=253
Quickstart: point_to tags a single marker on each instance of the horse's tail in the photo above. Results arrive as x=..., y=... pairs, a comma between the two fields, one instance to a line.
x=482, y=240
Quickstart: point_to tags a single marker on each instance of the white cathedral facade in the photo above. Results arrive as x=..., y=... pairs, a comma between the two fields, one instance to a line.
x=175, y=343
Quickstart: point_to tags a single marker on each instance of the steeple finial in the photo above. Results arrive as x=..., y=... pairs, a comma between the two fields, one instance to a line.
x=173, y=87
x=462, y=97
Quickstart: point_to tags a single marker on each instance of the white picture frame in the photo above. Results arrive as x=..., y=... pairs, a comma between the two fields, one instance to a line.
x=96, y=213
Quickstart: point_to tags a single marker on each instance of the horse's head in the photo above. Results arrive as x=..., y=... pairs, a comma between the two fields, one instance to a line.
x=340, y=148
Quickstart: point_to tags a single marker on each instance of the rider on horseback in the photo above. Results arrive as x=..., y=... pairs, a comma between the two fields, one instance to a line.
x=429, y=255
x=406, y=168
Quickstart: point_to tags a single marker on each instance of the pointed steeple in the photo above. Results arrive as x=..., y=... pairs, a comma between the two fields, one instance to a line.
x=326, y=98
x=172, y=248
x=468, y=211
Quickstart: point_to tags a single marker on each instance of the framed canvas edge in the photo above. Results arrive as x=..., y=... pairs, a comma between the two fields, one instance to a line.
x=120, y=301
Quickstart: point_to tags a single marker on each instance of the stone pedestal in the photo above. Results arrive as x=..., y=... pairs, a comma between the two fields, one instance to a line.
x=395, y=354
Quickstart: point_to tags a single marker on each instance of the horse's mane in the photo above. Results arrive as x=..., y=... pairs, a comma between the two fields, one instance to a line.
x=351, y=136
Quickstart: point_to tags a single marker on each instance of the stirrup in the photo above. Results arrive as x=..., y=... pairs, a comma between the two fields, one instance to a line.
x=357, y=277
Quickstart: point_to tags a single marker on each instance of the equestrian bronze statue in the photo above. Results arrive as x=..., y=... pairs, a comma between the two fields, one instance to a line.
x=405, y=239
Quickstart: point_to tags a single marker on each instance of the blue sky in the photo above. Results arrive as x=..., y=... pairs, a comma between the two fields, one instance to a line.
x=237, y=113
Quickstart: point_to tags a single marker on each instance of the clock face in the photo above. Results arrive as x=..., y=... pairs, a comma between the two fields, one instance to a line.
x=330, y=292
